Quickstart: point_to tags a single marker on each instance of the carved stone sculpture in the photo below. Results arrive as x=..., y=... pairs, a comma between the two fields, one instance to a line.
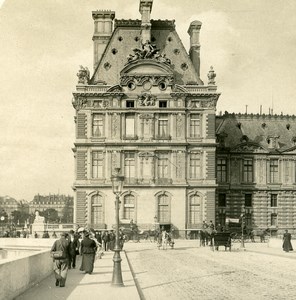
x=146, y=99
x=211, y=76
x=148, y=51
x=83, y=75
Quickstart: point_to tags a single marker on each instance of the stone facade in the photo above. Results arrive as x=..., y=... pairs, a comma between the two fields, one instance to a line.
x=147, y=112
x=256, y=170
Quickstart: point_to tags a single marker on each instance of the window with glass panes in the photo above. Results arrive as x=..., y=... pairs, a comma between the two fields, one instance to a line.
x=273, y=220
x=221, y=170
x=162, y=165
x=194, y=169
x=248, y=200
x=194, y=125
x=97, y=164
x=98, y=125
x=129, y=207
x=195, y=210
x=97, y=209
x=130, y=125
x=129, y=166
x=273, y=200
x=163, y=209
x=274, y=170
x=248, y=170
x=222, y=199
x=163, y=125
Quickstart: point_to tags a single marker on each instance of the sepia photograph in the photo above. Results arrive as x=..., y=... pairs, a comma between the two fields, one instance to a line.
x=147, y=149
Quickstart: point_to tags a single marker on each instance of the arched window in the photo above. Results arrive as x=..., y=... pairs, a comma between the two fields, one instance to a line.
x=97, y=209
x=163, y=209
x=195, y=209
x=129, y=207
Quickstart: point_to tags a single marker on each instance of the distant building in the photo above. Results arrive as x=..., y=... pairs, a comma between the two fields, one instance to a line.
x=8, y=204
x=57, y=202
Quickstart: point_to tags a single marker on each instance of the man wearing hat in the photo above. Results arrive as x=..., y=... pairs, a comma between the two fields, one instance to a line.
x=74, y=246
x=60, y=265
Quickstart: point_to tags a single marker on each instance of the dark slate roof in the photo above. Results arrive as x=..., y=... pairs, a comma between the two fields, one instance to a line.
x=255, y=128
x=126, y=36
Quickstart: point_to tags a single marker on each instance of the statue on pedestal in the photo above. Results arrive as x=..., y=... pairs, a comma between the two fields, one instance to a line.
x=38, y=219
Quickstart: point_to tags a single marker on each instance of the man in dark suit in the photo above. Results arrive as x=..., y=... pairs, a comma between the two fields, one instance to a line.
x=74, y=248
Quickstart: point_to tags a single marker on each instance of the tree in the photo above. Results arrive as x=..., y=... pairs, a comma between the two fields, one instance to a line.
x=50, y=215
x=67, y=214
x=19, y=217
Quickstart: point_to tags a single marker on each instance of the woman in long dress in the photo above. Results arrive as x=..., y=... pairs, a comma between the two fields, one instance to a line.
x=287, y=245
x=88, y=250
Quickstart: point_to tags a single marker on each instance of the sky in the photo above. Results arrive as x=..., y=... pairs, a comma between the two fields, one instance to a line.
x=250, y=43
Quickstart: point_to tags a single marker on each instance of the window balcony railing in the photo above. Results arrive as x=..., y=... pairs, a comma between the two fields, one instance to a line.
x=130, y=137
x=163, y=181
x=162, y=137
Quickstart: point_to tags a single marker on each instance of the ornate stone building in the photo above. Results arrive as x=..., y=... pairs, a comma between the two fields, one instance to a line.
x=145, y=110
x=256, y=170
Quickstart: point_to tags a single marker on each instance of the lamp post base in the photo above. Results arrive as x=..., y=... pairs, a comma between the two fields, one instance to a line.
x=117, y=275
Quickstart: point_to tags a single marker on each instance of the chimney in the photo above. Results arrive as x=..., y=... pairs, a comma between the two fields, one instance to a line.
x=194, y=51
x=103, y=23
x=145, y=10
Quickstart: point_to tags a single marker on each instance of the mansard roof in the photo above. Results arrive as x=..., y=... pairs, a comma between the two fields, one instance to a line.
x=126, y=37
x=275, y=133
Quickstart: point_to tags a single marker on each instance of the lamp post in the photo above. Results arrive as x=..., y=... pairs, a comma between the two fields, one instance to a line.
x=243, y=221
x=117, y=185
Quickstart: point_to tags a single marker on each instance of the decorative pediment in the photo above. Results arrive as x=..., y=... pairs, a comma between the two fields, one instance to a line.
x=115, y=89
x=249, y=147
x=291, y=150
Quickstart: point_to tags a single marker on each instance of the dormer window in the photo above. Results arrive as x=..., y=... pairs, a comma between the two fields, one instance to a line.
x=163, y=104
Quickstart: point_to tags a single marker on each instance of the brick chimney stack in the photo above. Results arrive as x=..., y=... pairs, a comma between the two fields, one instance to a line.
x=194, y=51
x=103, y=27
x=145, y=10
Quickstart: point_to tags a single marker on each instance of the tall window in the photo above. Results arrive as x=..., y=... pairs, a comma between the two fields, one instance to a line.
x=248, y=200
x=195, y=210
x=273, y=200
x=163, y=124
x=222, y=200
x=248, y=220
x=194, y=170
x=98, y=125
x=129, y=166
x=129, y=207
x=97, y=164
x=274, y=171
x=130, y=125
x=221, y=170
x=248, y=170
x=162, y=165
x=273, y=220
x=163, y=209
x=287, y=171
x=97, y=209
x=194, y=125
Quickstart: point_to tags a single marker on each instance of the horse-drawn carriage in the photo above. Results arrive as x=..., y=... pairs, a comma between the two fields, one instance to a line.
x=135, y=234
x=165, y=239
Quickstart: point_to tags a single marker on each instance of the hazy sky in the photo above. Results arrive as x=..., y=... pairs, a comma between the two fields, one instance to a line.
x=250, y=43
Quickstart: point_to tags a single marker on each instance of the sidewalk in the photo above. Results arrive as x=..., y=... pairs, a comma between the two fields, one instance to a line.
x=264, y=248
x=86, y=286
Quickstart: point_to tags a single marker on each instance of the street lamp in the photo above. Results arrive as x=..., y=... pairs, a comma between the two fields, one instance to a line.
x=243, y=221
x=117, y=185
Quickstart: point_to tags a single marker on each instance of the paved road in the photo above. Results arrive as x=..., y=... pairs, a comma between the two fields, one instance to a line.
x=191, y=272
